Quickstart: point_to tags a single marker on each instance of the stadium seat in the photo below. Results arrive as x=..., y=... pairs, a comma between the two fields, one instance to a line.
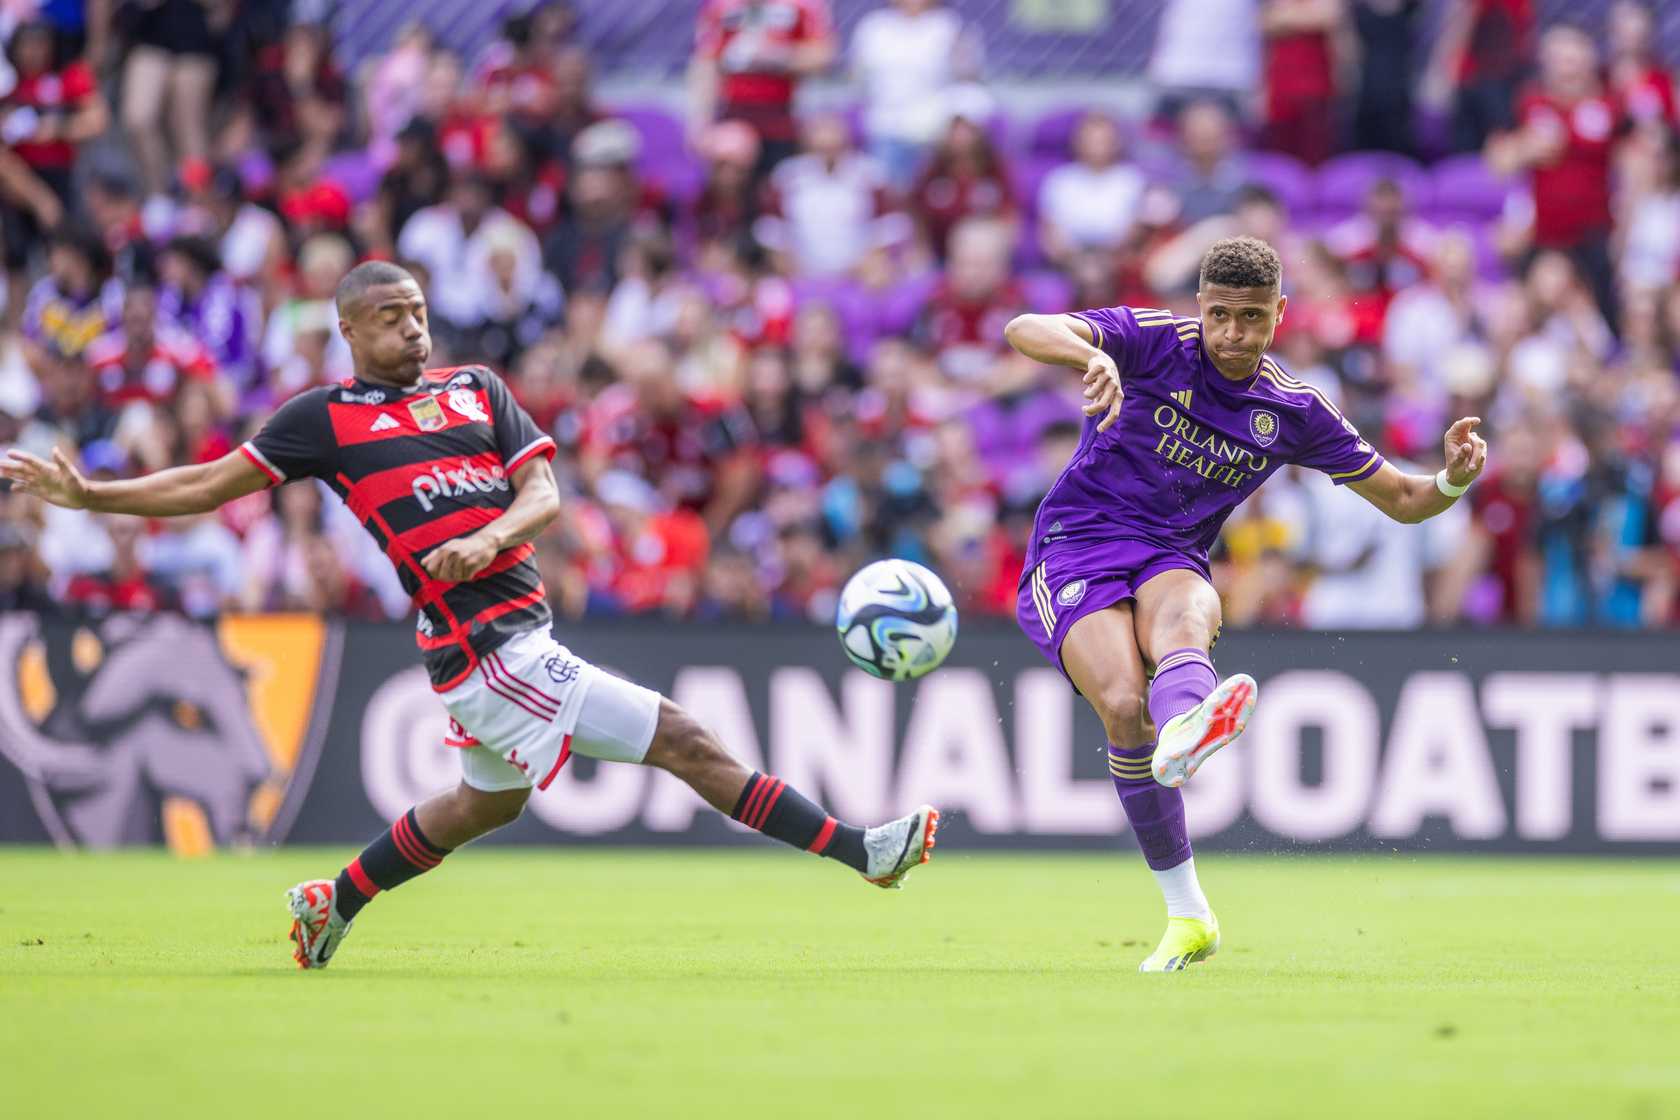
x=662, y=131
x=1466, y=190
x=1343, y=181
x=1047, y=291
x=1052, y=134
x=855, y=306
x=1286, y=177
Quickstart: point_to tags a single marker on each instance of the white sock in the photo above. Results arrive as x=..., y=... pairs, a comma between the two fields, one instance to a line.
x=1183, y=893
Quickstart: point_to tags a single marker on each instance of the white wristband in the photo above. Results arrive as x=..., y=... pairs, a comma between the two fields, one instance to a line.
x=1446, y=487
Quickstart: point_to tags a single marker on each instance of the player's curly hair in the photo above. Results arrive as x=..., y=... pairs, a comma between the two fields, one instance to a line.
x=1242, y=262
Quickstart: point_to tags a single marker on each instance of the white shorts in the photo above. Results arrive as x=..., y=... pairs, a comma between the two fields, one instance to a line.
x=532, y=703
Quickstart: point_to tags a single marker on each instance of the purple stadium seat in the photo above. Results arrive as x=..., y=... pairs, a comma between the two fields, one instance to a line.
x=355, y=171
x=1344, y=181
x=1465, y=189
x=898, y=306
x=675, y=173
x=1052, y=134
x=661, y=129
x=854, y=306
x=1285, y=176
x=1047, y=291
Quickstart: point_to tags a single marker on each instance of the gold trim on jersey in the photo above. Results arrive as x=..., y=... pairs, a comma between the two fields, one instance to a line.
x=1360, y=469
x=1182, y=396
x=1151, y=316
x=1041, y=600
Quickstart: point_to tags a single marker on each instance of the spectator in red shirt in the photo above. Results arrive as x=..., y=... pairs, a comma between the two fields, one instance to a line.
x=749, y=56
x=963, y=322
x=1637, y=76
x=1568, y=127
x=658, y=554
x=53, y=109
x=126, y=585
x=1385, y=248
x=964, y=179
x=727, y=204
x=697, y=451
x=147, y=360
x=1300, y=76
x=1483, y=53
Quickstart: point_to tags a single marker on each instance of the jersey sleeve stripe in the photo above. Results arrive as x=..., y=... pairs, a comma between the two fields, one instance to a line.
x=1096, y=330
x=543, y=445
x=1369, y=467
x=260, y=461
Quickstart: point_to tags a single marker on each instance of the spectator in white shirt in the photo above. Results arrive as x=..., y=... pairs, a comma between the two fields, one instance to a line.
x=448, y=238
x=906, y=56
x=1091, y=203
x=830, y=205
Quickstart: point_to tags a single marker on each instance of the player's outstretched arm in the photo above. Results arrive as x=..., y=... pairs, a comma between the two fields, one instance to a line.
x=171, y=493
x=535, y=504
x=1417, y=497
x=1066, y=340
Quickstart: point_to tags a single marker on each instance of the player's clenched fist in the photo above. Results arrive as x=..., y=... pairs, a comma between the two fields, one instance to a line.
x=1466, y=452
x=459, y=559
x=58, y=482
x=1102, y=390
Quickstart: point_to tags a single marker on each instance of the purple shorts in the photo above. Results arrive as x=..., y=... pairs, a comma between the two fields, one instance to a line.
x=1074, y=580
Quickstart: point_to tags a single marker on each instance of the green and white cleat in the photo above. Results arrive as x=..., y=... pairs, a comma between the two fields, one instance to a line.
x=898, y=846
x=1190, y=739
x=1186, y=941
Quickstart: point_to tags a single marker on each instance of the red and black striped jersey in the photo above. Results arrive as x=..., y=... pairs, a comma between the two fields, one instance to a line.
x=419, y=467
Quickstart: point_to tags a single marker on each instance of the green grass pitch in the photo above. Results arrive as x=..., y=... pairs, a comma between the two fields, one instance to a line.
x=562, y=983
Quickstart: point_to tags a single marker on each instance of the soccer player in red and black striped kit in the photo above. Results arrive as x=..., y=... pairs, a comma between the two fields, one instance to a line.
x=452, y=478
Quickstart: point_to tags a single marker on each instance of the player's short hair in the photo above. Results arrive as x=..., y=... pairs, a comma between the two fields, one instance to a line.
x=1242, y=262
x=368, y=274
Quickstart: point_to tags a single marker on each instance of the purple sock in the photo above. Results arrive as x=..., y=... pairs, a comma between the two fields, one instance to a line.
x=1183, y=679
x=1156, y=812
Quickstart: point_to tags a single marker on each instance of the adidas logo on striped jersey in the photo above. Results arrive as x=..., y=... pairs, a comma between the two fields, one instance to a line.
x=385, y=423
x=1182, y=396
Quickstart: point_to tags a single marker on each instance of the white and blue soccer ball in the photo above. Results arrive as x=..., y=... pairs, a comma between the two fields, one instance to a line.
x=896, y=620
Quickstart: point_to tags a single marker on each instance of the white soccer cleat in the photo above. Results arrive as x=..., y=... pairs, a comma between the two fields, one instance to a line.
x=897, y=846
x=1190, y=739
x=316, y=927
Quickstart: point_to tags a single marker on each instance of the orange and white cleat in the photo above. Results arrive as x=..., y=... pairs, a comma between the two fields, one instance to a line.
x=1190, y=739
x=897, y=846
x=316, y=927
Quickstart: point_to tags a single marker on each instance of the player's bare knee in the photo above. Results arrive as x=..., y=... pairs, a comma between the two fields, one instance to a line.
x=492, y=810
x=1123, y=714
x=681, y=745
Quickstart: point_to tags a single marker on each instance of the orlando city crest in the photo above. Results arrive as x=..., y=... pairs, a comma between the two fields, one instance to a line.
x=1263, y=426
x=134, y=730
x=1071, y=593
x=428, y=414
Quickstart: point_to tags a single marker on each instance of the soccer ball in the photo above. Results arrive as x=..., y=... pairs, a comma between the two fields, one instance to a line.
x=896, y=620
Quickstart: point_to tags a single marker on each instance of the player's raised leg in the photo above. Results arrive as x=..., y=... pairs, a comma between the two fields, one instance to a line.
x=884, y=854
x=322, y=909
x=1195, y=713
x=1101, y=656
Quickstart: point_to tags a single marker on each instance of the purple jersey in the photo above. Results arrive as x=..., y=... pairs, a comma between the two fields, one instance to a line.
x=1189, y=445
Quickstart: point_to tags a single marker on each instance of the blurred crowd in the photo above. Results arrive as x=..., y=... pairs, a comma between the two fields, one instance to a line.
x=766, y=328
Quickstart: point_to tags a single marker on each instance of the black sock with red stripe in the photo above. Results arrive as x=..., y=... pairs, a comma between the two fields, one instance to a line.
x=401, y=852
x=784, y=814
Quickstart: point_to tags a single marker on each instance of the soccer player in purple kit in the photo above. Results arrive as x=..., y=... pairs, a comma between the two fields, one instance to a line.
x=1185, y=419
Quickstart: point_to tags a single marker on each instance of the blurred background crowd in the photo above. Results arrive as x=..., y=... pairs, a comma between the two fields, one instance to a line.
x=758, y=295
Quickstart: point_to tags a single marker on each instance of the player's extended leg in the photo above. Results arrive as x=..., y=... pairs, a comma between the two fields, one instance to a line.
x=1101, y=656
x=322, y=909
x=1195, y=713
x=884, y=854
